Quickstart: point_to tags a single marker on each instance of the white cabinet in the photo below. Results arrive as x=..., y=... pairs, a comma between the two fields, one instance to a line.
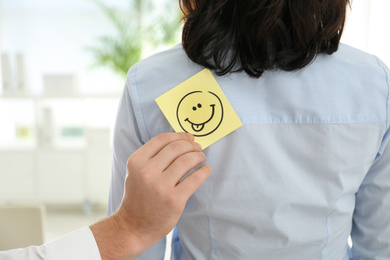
x=57, y=150
x=98, y=164
x=17, y=175
x=61, y=176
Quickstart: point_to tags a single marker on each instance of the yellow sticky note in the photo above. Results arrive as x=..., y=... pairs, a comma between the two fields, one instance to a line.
x=198, y=106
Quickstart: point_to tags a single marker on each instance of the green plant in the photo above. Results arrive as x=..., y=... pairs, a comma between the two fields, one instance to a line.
x=134, y=33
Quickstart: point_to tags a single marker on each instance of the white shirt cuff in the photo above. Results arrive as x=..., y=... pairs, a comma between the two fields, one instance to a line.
x=78, y=245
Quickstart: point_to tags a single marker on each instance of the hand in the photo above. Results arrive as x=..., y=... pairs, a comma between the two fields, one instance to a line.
x=155, y=195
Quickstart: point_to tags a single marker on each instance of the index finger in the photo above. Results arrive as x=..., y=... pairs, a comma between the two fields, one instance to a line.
x=156, y=144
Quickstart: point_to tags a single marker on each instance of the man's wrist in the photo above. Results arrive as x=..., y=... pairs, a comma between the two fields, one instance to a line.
x=115, y=241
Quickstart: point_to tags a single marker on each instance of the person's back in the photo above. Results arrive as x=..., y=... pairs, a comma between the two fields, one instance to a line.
x=309, y=165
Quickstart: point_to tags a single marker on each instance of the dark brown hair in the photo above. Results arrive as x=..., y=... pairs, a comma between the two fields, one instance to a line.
x=257, y=35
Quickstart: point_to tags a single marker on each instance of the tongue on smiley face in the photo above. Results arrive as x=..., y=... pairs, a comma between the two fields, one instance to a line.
x=197, y=128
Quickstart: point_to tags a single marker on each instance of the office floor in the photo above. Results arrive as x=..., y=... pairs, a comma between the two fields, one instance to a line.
x=59, y=222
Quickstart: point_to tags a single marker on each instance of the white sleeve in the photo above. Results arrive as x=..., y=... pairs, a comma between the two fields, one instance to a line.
x=78, y=245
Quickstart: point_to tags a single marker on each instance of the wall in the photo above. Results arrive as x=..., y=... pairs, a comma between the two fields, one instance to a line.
x=367, y=27
x=53, y=35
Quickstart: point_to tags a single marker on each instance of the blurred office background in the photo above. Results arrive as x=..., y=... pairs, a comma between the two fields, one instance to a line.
x=63, y=67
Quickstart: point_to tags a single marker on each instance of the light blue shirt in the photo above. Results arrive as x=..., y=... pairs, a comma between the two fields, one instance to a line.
x=309, y=167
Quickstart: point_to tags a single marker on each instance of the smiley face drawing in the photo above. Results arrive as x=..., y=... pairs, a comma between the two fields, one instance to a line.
x=200, y=113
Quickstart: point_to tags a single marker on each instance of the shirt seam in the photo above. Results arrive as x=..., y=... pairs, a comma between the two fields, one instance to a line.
x=388, y=91
x=212, y=244
x=266, y=122
x=136, y=105
x=329, y=231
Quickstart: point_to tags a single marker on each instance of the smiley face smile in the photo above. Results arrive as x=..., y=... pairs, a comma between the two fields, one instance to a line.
x=199, y=127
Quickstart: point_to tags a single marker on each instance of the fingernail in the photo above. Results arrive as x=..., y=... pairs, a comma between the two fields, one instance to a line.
x=191, y=136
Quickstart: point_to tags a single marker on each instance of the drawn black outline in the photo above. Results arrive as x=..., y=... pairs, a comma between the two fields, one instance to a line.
x=177, y=113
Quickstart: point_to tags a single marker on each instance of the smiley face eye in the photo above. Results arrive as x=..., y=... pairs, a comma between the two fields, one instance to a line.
x=197, y=106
